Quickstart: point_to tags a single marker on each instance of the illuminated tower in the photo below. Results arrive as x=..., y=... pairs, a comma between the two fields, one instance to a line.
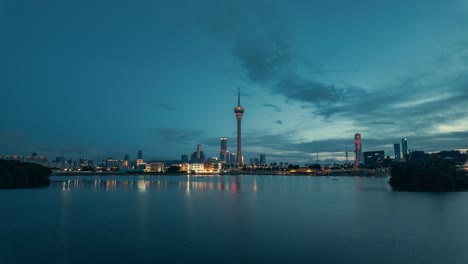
x=223, y=150
x=357, y=149
x=404, y=146
x=239, y=111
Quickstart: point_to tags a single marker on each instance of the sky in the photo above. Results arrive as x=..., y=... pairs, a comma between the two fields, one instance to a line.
x=107, y=78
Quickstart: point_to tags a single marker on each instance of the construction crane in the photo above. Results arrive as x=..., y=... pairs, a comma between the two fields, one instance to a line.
x=346, y=152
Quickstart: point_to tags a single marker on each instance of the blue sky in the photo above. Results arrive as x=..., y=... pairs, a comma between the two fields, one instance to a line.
x=107, y=78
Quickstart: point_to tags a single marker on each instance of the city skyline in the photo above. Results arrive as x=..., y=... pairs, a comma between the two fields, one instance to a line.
x=109, y=78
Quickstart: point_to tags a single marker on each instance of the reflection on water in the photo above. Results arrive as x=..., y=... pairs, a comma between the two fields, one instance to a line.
x=231, y=183
x=230, y=219
x=142, y=184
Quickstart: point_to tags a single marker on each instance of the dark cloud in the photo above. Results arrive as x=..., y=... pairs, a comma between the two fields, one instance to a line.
x=176, y=136
x=263, y=60
x=308, y=91
x=276, y=108
x=382, y=123
x=279, y=122
x=163, y=106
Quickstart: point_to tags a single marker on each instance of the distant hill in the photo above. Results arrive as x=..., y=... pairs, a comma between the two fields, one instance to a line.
x=15, y=174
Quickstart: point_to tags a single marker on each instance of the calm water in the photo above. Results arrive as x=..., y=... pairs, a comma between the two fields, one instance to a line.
x=231, y=219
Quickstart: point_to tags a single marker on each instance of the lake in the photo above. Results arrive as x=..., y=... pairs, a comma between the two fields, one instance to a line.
x=230, y=219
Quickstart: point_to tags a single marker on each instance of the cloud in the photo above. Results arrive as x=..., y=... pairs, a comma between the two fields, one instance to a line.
x=163, y=106
x=285, y=147
x=382, y=123
x=308, y=91
x=276, y=108
x=279, y=122
x=262, y=60
x=176, y=136
x=11, y=135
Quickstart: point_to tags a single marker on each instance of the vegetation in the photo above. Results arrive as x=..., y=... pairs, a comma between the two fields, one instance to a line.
x=434, y=174
x=15, y=174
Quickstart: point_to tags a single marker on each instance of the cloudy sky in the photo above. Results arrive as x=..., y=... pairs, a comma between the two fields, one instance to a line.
x=101, y=78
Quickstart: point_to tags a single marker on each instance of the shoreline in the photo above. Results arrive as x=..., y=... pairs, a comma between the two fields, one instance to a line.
x=361, y=173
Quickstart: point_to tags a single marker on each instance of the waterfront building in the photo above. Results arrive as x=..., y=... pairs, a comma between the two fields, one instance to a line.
x=396, y=151
x=184, y=167
x=404, y=146
x=357, y=149
x=263, y=159
x=126, y=161
x=155, y=167
x=205, y=167
x=197, y=167
x=239, y=111
x=223, y=150
x=111, y=163
x=373, y=158
x=140, y=154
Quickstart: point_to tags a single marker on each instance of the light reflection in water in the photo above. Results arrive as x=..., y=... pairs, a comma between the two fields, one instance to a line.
x=186, y=183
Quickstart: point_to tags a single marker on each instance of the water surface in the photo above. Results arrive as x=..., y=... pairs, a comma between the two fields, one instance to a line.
x=231, y=219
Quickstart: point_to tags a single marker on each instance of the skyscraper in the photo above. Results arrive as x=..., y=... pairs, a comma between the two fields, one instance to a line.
x=239, y=111
x=199, y=150
x=232, y=158
x=223, y=150
x=357, y=149
x=404, y=146
x=396, y=151
x=198, y=156
x=262, y=159
x=126, y=161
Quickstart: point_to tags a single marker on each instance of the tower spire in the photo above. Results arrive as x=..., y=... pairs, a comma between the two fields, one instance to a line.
x=238, y=96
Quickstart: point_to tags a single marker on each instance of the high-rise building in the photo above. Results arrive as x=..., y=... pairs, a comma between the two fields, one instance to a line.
x=199, y=150
x=184, y=158
x=396, y=151
x=223, y=150
x=239, y=111
x=232, y=158
x=357, y=149
x=126, y=161
x=404, y=146
x=193, y=157
x=263, y=159
x=198, y=156
x=373, y=158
